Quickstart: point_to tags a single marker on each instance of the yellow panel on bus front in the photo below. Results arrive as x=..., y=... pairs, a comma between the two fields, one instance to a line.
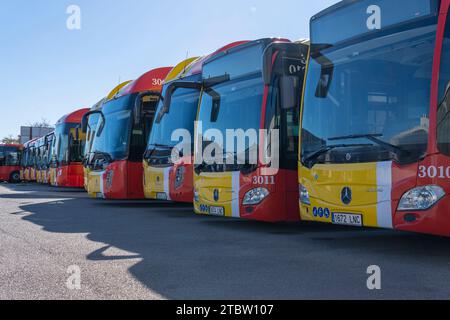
x=216, y=194
x=156, y=182
x=95, y=184
x=348, y=190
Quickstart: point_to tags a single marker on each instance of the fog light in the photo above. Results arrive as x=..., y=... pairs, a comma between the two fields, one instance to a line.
x=109, y=179
x=179, y=177
x=255, y=196
x=196, y=195
x=421, y=198
x=304, y=195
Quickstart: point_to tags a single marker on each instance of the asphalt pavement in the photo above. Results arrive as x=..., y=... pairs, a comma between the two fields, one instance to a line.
x=58, y=244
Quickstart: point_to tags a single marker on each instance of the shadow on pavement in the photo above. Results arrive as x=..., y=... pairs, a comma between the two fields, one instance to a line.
x=184, y=256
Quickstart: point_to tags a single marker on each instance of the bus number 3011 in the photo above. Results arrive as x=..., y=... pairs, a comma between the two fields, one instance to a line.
x=433, y=172
x=264, y=180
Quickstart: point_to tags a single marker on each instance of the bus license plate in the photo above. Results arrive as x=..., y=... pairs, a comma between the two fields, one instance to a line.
x=217, y=211
x=161, y=196
x=347, y=219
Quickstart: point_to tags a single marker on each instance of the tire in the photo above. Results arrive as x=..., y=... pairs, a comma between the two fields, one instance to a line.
x=14, y=177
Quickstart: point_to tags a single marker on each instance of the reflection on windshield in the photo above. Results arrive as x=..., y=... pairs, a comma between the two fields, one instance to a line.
x=182, y=114
x=62, y=143
x=90, y=134
x=379, y=88
x=114, y=138
x=9, y=156
x=240, y=108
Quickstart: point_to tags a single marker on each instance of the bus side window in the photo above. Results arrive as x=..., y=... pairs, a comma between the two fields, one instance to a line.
x=443, y=128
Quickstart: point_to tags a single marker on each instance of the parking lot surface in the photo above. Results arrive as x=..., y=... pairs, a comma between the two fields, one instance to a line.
x=157, y=250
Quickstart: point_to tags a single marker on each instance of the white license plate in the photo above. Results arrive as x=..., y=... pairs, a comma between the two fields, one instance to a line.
x=347, y=219
x=161, y=196
x=100, y=196
x=217, y=211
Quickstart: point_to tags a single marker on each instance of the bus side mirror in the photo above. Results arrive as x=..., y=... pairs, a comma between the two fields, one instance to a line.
x=167, y=99
x=84, y=123
x=289, y=86
x=137, y=112
x=326, y=76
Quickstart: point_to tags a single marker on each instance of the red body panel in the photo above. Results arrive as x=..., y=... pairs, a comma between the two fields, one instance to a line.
x=122, y=180
x=282, y=203
x=185, y=191
x=6, y=171
x=70, y=176
x=435, y=220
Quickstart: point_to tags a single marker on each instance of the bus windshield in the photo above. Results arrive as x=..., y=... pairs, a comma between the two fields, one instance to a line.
x=241, y=98
x=113, y=139
x=62, y=143
x=182, y=114
x=90, y=134
x=9, y=156
x=368, y=101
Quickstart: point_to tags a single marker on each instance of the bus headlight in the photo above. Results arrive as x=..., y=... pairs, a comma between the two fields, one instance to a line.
x=304, y=195
x=421, y=198
x=196, y=195
x=179, y=177
x=255, y=196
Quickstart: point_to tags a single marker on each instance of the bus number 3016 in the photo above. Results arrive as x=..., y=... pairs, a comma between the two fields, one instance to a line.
x=433, y=172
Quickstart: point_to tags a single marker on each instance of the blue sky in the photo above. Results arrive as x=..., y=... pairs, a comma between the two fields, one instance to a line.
x=47, y=70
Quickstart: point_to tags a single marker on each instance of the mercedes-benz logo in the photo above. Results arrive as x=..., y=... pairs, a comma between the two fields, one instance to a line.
x=216, y=195
x=346, y=196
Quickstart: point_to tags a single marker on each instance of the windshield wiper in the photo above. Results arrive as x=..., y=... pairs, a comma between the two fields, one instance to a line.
x=102, y=155
x=374, y=137
x=214, y=81
x=149, y=152
x=311, y=159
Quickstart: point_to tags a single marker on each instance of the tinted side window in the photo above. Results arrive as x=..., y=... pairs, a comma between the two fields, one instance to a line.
x=443, y=125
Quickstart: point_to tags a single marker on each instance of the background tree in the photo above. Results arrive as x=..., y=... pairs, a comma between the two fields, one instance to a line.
x=44, y=123
x=10, y=140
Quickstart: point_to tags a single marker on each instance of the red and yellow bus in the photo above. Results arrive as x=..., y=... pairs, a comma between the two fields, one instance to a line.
x=115, y=163
x=89, y=126
x=10, y=159
x=163, y=178
x=375, y=139
x=39, y=162
x=247, y=90
x=27, y=171
x=66, y=167
x=47, y=153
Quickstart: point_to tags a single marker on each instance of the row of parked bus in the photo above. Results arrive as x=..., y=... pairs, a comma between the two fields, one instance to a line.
x=361, y=114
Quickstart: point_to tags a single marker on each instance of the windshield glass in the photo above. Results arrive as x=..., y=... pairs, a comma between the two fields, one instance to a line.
x=182, y=114
x=241, y=98
x=241, y=102
x=9, y=156
x=62, y=141
x=90, y=133
x=114, y=138
x=371, y=95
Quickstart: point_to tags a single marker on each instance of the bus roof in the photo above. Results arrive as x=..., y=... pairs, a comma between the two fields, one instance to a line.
x=334, y=7
x=115, y=91
x=74, y=117
x=149, y=81
x=11, y=145
x=179, y=70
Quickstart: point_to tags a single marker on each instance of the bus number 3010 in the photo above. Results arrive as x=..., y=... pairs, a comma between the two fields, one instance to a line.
x=433, y=172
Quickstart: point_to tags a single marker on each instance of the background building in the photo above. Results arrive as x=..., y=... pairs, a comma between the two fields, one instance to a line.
x=29, y=133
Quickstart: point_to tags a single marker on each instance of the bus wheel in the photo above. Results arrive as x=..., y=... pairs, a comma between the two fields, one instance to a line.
x=15, y=177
